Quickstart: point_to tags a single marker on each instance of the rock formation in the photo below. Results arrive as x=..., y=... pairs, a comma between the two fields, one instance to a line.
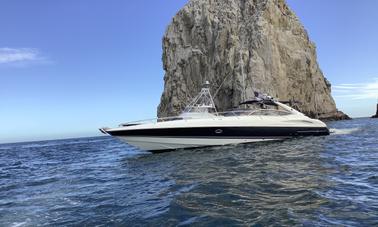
x=376, y=114
x=242, y=46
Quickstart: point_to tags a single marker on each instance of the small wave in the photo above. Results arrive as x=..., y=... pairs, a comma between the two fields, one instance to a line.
x=66, y=142
x=18, y=224
x=191, y=221
x=343, y=131
x=42, y=181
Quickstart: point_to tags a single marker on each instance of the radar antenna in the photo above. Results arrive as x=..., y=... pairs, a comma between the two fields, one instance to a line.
x=203, y=102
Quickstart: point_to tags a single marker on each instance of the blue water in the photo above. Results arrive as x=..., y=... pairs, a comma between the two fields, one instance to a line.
x=329, y=180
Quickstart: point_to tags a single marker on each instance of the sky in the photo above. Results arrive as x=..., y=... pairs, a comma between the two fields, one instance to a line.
x=70, y=67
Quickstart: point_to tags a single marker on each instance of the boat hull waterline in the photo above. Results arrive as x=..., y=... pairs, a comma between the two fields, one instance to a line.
x=158, y=144
x=155, y=139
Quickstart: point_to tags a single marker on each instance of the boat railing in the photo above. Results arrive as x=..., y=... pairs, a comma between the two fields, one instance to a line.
x=152, y=120
x=232, y=113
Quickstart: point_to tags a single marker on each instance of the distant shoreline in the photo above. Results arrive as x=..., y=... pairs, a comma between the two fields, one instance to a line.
x=49, y=140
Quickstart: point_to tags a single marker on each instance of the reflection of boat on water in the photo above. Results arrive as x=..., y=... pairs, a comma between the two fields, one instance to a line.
x=200, y=124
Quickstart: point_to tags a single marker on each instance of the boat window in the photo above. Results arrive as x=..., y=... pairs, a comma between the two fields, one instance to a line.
x=169, y=119
x=270, y=112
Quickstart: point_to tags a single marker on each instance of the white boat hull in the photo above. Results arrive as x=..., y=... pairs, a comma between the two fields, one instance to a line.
x=164, y=143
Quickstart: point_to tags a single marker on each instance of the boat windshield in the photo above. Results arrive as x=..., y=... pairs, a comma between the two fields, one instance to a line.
x=270, y=112
x=251, y=112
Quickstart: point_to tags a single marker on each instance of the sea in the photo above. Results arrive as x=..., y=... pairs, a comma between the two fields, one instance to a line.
x=309, y=181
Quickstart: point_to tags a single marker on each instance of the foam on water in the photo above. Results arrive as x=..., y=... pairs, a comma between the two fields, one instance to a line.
x=343, y=131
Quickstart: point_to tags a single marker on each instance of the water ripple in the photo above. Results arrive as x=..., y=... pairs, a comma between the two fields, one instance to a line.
x=322, y=181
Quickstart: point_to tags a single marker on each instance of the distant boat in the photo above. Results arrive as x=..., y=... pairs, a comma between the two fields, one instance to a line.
x=201, y=125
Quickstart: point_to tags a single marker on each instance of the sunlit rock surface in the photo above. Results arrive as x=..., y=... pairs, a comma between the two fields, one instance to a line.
x=242, y=46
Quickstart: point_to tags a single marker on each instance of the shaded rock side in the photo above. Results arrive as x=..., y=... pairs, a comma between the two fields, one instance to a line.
x=242, y=46
x=376, y=114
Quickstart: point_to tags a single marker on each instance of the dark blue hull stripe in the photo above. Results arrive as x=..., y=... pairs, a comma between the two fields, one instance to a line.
x=225, y=132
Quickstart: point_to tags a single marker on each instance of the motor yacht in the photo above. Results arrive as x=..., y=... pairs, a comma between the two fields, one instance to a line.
x=200, y=124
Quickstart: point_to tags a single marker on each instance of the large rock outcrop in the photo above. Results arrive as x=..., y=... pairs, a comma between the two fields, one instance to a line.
x=242, y=46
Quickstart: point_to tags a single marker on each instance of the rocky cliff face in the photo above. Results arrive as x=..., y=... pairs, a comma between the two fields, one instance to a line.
x=242, y=46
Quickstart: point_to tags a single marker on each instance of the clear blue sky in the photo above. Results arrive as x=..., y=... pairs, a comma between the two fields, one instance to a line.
x=69, y=67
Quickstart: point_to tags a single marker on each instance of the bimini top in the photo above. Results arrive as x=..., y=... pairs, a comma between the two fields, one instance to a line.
x=202, y=106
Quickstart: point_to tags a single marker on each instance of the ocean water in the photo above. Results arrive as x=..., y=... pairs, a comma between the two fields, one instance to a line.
x=330, y=180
